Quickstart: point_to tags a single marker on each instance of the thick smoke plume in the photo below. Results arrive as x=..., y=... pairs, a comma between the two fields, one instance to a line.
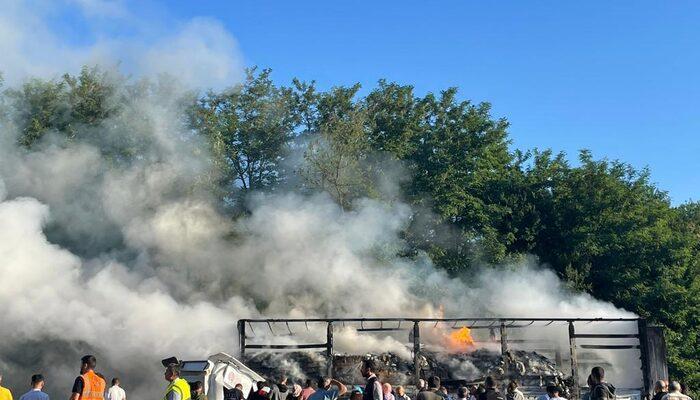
x=134, y=261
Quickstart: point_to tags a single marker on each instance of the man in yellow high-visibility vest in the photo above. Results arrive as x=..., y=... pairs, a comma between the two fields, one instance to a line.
x=178, y=389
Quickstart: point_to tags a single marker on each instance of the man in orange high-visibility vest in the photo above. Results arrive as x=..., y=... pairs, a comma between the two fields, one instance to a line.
x=89, y=385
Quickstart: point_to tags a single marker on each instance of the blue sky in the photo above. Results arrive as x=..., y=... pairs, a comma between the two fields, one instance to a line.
x=619, y=78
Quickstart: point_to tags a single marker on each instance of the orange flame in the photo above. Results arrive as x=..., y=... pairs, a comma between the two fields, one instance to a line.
x=461, y=340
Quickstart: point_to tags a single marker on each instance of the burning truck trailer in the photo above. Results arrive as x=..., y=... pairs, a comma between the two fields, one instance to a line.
x=462, y=351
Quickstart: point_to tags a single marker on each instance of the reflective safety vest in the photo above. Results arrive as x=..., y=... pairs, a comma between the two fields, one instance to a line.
x=93, y=386
x=180, y=386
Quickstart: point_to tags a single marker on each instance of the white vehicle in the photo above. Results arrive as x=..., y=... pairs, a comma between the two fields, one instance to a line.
x=221, y=371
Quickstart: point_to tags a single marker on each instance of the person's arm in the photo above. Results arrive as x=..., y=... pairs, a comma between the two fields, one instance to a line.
x=378, y=393
x=342, y=389
x=77, y=388
x=173, y=395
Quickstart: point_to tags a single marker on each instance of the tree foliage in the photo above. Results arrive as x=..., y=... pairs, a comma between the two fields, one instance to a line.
x=249, y=128
x=63, y=105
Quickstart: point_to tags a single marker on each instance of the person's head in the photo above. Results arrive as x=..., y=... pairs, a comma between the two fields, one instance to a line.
x=115, y=382
x=684, y=388
x=473, y=389
x=87, y=363
x=512, y=386
x=552, y=390
x=590, y=381
x=172, y=372
x=324, y=382
x=434, y=382
x=660, y=386
x=422, y=384
x=356, y=395
x=308, y=383
x=282, y=379
x=386, y=388
x=481, y=388
x=197, y=387
x=239, y=386
x=462, y=392
x=369, y=367
x=490, y=382
x=400, y=390
x=443, y=389
x=38, y=381
x=264, y=390
x=674, y=387
x=296, y=390
x=598, y=374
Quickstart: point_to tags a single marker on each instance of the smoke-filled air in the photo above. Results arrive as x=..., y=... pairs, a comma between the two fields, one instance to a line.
x=142, y=214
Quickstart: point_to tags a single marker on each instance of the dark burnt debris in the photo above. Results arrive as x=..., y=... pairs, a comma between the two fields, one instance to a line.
x=530, y=369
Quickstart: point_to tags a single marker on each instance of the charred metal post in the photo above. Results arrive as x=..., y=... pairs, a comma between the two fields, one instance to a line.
x=644, y=357
x=504, y=339
x=575, y=392
x=504, y=348
x=416, y=351
x=241, y=336
x=656, y=354
x=329, y=348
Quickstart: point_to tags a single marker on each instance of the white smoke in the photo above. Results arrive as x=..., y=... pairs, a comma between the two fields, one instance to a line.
x=199, y=52
x=184, y=283
x=135, y=263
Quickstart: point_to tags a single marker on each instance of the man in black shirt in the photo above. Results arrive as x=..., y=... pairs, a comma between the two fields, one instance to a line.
x=280, y=390
x=373, y=389
x=234, y=394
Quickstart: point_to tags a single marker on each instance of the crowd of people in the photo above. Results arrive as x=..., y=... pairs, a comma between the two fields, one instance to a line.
x=91, y=385
x=670, y=391
x=88, y=385
x=330, y=389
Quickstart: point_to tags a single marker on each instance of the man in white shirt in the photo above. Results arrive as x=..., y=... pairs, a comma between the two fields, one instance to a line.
x=116, y=392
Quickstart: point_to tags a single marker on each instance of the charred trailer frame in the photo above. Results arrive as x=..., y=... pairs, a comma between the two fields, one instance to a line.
x=650, y=339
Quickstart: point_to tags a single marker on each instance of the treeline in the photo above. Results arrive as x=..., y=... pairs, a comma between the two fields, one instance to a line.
x=601, y=225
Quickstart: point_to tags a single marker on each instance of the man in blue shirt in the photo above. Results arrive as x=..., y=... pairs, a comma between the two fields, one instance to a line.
x=36, y=393
x=325, y=389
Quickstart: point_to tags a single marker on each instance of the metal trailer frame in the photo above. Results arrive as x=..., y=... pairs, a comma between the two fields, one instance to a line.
x=502, y=324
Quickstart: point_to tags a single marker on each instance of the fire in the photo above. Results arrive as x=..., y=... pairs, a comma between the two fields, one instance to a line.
x=461, y=340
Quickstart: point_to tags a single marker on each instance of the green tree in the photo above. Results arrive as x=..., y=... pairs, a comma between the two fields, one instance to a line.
x=38, y=107
x=337, y=156
x=249, y=128
x=69, y=106
x=460, y=161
